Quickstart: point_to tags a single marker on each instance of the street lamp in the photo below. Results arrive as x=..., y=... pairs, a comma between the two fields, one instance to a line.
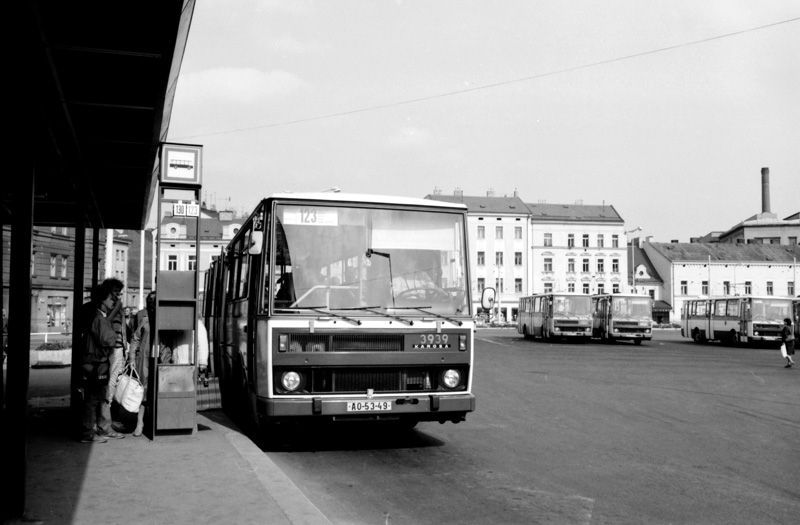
x=633, y=263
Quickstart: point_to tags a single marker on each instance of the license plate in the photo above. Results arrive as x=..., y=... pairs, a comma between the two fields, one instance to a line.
x=369, y=406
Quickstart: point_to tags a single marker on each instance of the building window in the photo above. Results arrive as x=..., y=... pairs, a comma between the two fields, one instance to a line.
x=548, y=239
x=615, y=265
x=498, y=258
x=518, y=285
x=615, y=241
x=481, y=284
x=548, y=264
x=52, y=265
x=684, y=288
x=769, y=287
x=652, y=294
x=192, y=263
x=585, y=240
x=172, y=263
x=748, y=287
x=64, y=266
x=498, y=232
x=601, y=266
x=615, y=288
x=790, y=288
x=571, y=287
x=586, y=288
x=481, y=232
x=600, y=240
x=704, y=288
x=571, y=265
x=548, y=287
x=792, y=241
x=499, y=284
x=601, y=288
x=518, y=232
x=571, y=240
x=726, y=287
x=585, y=267
x=517, y=258
x=481, y=258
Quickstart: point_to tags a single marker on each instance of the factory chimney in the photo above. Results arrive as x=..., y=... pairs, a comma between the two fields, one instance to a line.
x=765, y=190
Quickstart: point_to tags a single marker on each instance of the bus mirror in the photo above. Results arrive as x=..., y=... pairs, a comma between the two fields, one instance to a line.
x=487, y=298
x=256, y=241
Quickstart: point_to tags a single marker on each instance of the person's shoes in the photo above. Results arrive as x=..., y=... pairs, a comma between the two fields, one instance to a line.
x=137, y=431
x=94, y=438
x=788, y=365
x=113, y=434
x=118, y=427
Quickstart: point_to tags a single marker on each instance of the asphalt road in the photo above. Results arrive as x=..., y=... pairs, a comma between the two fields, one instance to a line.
x=666, y=432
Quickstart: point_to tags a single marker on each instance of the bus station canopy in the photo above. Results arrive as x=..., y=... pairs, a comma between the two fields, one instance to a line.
x=93, y=85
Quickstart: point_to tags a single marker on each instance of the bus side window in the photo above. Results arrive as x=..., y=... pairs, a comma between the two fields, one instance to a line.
x=720, y=308
x=701, y=308
x=733, y=307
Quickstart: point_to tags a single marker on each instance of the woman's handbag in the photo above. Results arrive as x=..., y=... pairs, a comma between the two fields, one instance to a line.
x=783, y=350
x=129, y=392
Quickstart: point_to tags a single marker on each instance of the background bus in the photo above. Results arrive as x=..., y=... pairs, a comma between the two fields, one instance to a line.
x=338, y=307
x=555, y=315
x=622, y=317
x=735, y=319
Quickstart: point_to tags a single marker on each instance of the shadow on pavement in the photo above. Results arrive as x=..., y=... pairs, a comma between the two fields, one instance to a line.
x=326, y=436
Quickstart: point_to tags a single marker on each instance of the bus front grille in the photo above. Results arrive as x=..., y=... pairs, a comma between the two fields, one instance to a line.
x=345, y=343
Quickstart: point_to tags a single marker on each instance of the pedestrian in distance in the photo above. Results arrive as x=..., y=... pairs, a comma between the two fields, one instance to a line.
x=117, y=360
x=98, y=344
x=787, y=342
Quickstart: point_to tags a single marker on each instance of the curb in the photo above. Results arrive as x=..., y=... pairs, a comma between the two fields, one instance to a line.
x=297, y=508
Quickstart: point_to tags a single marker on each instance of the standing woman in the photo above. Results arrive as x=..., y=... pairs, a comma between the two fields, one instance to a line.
x=787, y=337
x=139, y=354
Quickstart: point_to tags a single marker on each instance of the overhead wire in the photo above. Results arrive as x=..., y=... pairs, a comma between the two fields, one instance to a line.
x=491, y=85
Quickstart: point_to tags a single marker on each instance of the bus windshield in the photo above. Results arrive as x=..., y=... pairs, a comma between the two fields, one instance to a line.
x=347, y=257
x=633, y=307
x=567, y=306
x=771, y=309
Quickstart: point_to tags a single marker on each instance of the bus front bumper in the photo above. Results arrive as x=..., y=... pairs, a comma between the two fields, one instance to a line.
x=426, y=407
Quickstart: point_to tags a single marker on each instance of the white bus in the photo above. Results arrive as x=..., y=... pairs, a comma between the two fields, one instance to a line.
x=555, y=315
x=622, y=317
x=340, y=307
x=739, y=319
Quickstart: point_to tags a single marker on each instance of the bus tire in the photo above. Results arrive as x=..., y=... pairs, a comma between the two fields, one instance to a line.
x=696, y=335
x=637, y=342
x=733, y=338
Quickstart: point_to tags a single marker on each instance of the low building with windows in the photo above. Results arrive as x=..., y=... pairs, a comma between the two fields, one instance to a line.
x=692, y=270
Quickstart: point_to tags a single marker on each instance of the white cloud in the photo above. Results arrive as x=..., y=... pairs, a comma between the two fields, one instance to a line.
x=236, y=85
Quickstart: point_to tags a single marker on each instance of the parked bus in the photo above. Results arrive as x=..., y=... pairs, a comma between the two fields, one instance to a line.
x=735, y=319
x=554, y=315
x=622, y=317
x=331, y=306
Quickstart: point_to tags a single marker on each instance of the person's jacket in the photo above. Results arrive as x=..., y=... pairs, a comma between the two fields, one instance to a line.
x=99, y=339
x=787, y=334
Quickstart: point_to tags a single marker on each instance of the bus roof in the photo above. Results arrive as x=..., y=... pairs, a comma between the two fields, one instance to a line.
x=718, y=297
x=625, y=295
x=565, y=294
x=367, y=198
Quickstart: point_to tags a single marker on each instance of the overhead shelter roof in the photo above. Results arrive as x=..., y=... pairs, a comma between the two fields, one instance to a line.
x=95, y=84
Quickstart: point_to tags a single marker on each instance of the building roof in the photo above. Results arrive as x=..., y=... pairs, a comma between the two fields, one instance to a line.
x=640, y=257
x=574, y=213
x=727, y=252
x=505, y=205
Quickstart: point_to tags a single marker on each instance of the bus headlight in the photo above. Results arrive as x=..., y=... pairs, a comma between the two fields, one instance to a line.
x=283, y=342
x=290, y=381
x=462, y=342
x=451, y=378
x=556, y=329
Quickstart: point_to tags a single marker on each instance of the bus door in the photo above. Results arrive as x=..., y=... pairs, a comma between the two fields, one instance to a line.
x=723, y=324
x=737, y=319
x=537, y=318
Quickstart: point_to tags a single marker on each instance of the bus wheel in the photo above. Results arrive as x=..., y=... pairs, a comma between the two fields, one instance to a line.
x=696, y=335
x=637, y=342
x=733, y=339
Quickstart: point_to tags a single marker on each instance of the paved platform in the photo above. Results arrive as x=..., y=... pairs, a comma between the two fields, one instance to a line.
x=214, y=475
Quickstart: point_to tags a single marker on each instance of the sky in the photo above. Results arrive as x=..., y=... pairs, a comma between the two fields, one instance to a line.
x=666, y=110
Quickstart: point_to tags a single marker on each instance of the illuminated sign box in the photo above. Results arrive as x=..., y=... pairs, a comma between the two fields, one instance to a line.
x=181, y=164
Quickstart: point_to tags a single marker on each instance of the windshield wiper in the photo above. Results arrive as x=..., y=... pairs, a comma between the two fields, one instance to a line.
x=440, y=316
x=323, y=310
x=376, y=310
